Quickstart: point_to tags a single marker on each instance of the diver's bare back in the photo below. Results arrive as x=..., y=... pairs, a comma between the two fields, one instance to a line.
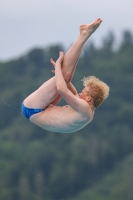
x=62, y=119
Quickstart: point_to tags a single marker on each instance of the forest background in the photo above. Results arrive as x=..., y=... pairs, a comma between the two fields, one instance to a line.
x=94, y=163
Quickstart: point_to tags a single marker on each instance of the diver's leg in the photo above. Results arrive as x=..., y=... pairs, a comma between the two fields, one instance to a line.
x=45, y=94
x=72, y=55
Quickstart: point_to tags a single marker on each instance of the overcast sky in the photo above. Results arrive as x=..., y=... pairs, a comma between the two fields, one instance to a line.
x=25, y=24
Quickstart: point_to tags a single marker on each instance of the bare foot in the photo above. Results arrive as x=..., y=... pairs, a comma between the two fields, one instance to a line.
x=88, y=29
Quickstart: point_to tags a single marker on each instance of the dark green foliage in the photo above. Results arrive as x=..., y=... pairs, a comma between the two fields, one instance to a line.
x=93, y=163
x=116, y=185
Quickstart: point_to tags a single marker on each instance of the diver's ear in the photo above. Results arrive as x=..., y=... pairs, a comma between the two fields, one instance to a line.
x=88, y=98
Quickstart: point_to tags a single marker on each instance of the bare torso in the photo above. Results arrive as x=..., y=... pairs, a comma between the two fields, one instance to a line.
x=62, y=119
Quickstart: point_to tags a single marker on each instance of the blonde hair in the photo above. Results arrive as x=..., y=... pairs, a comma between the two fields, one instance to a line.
x=98, y=89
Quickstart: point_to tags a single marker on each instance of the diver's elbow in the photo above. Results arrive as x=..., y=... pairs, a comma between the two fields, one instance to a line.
x=60, y=89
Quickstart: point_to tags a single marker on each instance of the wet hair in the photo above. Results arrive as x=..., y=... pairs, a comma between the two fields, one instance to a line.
x=98, y=89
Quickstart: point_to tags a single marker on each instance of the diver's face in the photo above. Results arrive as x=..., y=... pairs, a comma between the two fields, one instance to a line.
x=84, y=94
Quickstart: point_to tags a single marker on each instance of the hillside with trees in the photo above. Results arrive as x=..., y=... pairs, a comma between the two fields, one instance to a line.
x=94, y=163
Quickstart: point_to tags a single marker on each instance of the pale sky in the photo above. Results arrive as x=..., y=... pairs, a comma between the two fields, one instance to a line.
x=26, y=24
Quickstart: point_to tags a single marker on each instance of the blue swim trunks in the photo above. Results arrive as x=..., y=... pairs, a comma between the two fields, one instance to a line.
x=28, y=112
